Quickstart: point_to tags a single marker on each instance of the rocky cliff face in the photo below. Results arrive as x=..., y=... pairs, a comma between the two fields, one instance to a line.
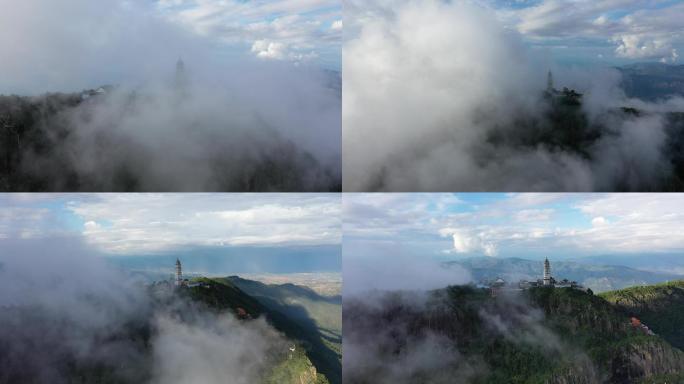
x=582, y=374
x=660, y=307
x=645, y=359
x=625, y=354
x=634, y=362
x=308, y=376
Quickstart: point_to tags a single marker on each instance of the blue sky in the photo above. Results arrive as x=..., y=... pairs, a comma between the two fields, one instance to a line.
x=597, y=31
x=565, y=32
x=148, y=224
x=290, y=30
x=451, y=226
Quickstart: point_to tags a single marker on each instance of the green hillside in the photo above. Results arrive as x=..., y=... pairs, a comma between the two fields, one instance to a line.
x=39, y=134
x=296, y=369
x=38, y=345
x=223, y=294
x=660, y=306
x=542, y=335
x=318, y=314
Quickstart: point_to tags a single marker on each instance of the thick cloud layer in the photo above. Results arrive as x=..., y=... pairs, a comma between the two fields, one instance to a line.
x=384, y=345
x=441, y=97
x=66, y=314
x=213, y=350
x=228, y=121
x=386, y=268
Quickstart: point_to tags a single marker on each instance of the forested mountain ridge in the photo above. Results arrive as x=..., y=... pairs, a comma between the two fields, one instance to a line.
x=109, y=139
x=159, y=334
x=661, y=306
x=540, y=335
x=224, y=294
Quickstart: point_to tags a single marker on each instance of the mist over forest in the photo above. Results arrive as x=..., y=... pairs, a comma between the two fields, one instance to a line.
x=68, y=316
x=444, y=96
x=464, y=334
x=138, y=103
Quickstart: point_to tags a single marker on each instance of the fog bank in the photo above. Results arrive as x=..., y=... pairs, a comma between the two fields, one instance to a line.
x=66, y=314
x=442, y=96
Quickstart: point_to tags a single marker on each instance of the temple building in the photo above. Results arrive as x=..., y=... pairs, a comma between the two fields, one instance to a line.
x=179, y=273
x=548, y=280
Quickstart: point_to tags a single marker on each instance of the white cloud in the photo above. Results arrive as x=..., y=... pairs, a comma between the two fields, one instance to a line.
x=20, y=218
x=279, y=51
x=269, y=50
x=426, y=64
x=467, y=242
x=636, y=46
x=157, y=222
x=77, y=44
x=490, y=249
x=577, y=224
x=463, y=243
x=91, y=225
x=139, y=223
x=643, y=32
x=292, y=29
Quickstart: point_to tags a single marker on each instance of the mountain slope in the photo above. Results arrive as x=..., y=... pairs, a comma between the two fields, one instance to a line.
x=668, y=263
x=319, y=316
x=222, y=294
x=599, y=278
x=660, y=306
x=44, y=140
x=542, y=335
x=151, y=333
x=321, y=313
x=651, y=81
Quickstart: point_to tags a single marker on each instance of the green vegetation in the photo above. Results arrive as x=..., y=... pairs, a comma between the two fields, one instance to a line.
x=659, y=306
x=664, y=379
x=43, y=139
x=593, y=335
x=290, y=319
x=566, y=126
x=540, y=335
x=320, y=315
x=296, y=368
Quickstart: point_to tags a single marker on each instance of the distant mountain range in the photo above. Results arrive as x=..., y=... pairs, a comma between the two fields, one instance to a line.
x=598, y=277
x=652, y=81
x=667, y=263
x=219, y=261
